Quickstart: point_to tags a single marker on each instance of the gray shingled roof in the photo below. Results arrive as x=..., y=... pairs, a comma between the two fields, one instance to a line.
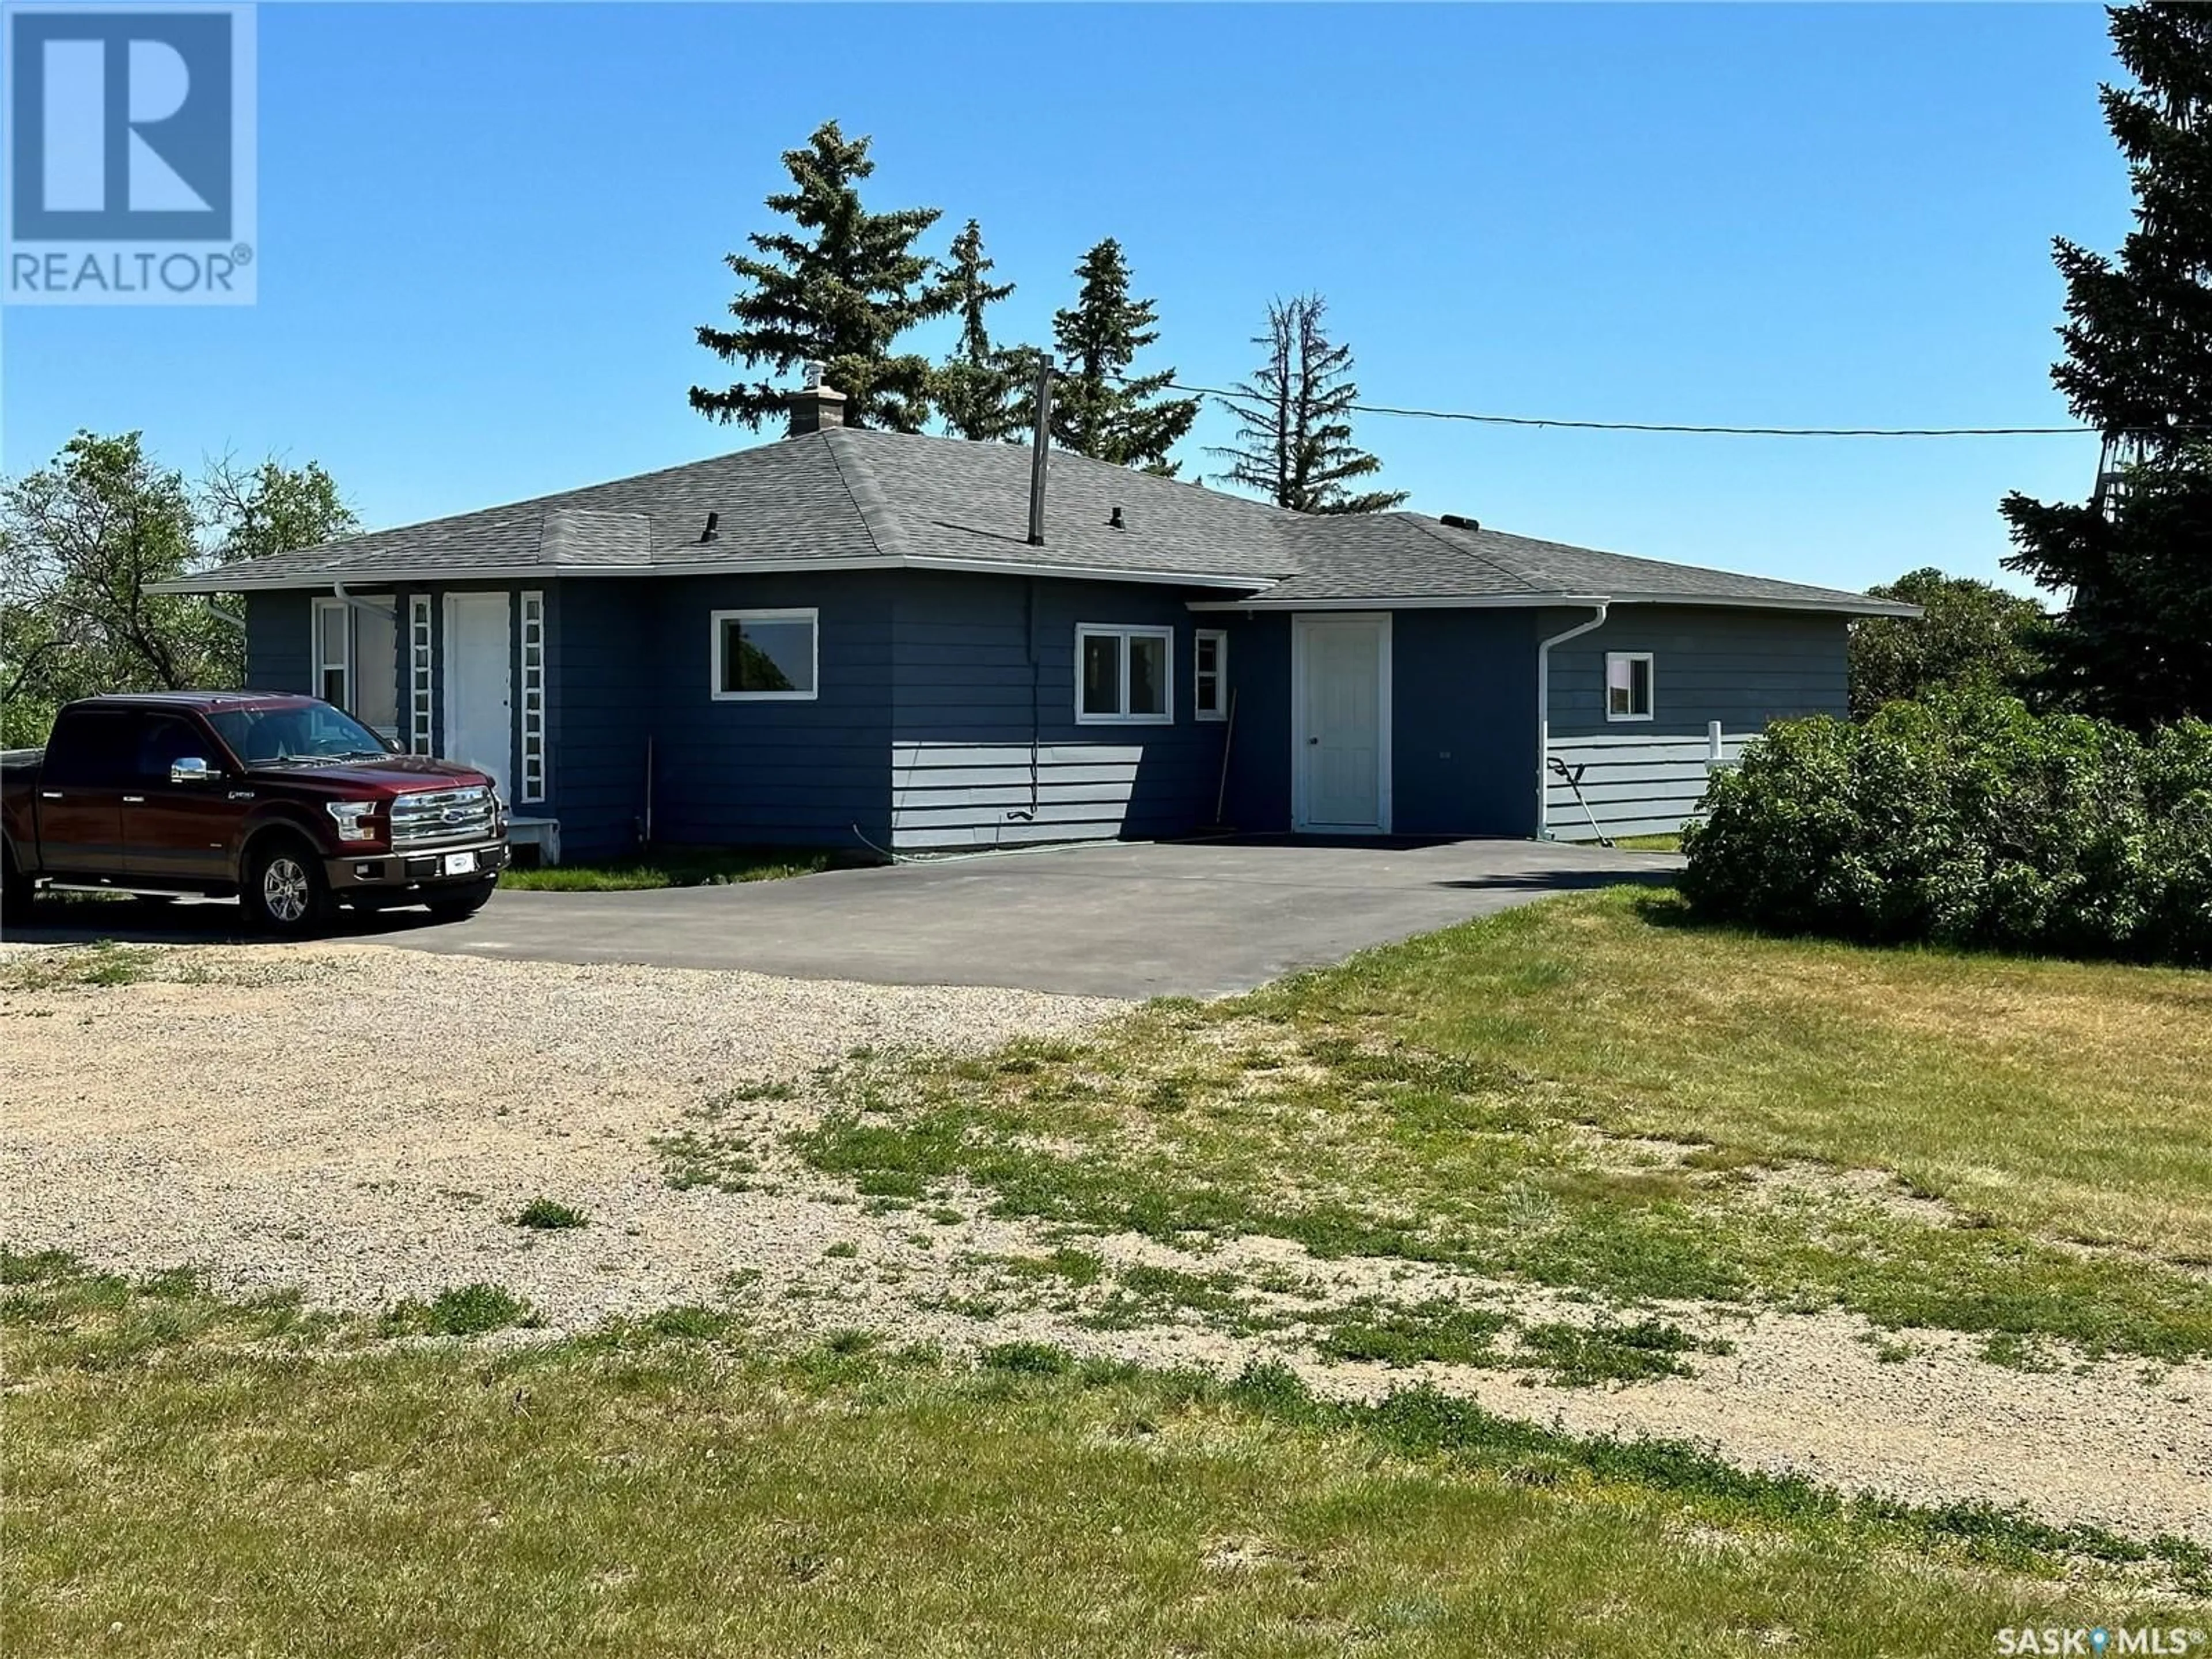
x=847, y=498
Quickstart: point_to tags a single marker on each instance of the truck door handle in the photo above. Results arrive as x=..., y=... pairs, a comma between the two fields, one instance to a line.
x=50, y=794
x=134, y=800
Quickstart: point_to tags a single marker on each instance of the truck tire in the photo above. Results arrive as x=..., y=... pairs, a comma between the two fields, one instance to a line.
x=15, y=891
x=458, y=906
x=284, y=891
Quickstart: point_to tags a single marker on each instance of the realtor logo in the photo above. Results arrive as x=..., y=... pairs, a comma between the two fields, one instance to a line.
x=130, y=162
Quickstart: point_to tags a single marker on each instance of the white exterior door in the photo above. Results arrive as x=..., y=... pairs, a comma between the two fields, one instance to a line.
x=480, y=686
x=1340, y=668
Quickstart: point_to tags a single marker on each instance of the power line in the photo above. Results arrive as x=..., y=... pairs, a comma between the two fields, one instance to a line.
x=1703, y=431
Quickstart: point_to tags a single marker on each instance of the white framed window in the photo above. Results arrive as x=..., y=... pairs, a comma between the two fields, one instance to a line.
x=356, y=658
x=420, y=673
x=766, y=656
x=1628, y=685
x=1124, y=676
x=1209, y=673
x=533, y=699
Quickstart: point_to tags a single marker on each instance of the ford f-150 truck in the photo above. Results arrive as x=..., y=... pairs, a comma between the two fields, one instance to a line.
x=286, y=801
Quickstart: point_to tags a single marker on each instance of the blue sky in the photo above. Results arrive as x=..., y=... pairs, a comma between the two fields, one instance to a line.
x=488, y=233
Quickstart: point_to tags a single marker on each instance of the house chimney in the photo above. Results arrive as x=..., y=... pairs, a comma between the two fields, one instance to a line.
x=815, y=407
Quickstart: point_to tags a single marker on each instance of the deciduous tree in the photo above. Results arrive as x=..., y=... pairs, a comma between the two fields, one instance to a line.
x=85, y=538
x=1972, y=636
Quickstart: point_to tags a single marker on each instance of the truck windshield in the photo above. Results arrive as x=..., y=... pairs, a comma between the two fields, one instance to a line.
x=298, y=733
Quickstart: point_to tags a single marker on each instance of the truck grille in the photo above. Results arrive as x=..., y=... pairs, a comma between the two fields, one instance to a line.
x=441, y=814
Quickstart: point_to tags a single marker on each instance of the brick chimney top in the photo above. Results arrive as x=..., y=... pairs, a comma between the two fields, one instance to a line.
x=815, y=407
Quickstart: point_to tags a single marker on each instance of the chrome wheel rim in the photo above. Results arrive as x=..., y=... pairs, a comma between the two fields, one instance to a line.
x=284, y=888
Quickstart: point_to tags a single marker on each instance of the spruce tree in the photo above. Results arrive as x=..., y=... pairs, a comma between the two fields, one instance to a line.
x=838, y=290
x=976, y=387
x=1294, y=432
x=2135, y=639
x=1099, y=409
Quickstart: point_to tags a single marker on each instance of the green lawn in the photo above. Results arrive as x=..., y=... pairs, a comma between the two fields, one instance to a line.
x=1592, y=1094
x=682, y=866
x=185, y=1477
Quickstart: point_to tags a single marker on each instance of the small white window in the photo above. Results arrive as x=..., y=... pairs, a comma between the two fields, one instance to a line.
x=1209, y=673
x=1628, y=685
x=1124, y=676
x=765, y=656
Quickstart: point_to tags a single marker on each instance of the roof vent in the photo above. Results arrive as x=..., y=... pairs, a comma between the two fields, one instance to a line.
x=714, y=530
x=1458, y=522
x=1116, y=522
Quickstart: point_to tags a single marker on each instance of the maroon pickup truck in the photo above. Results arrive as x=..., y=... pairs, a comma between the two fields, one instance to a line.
x=286, y=801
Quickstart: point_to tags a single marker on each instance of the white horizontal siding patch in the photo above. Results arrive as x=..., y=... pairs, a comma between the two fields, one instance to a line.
x=998, y=794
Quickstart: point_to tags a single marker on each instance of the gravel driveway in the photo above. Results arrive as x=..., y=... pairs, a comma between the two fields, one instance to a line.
x=364, y=1124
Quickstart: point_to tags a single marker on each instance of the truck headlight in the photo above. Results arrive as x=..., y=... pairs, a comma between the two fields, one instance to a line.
x=352, y=818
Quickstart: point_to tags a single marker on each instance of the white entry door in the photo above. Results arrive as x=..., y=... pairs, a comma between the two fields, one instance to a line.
x=1340, y=668
x=480, y=686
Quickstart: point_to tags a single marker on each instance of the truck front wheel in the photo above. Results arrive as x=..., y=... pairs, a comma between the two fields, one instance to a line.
x=284, y=891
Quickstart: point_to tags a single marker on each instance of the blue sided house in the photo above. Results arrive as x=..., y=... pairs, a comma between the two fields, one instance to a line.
x=853, y=638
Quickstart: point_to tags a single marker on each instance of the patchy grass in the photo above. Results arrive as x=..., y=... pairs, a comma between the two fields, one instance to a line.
x=2064, y=1098
x=683, y=866
x=1671, y=842
x=627, y=1490
x=1587, y=1095
x=102, y=964
x=549, y=1215
x=468, y=1311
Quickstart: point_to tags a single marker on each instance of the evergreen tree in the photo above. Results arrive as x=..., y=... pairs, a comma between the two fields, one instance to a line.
x=1099, y=409
x=976, y=387
x=2135, y=640
x=1294, y=433
x=838, y=290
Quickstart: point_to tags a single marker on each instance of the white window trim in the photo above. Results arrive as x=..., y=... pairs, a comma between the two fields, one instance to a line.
x=1650, y=683
x=531, y=790
x=422, y=674
x=807, y=614
x=1123, y=632
x=1220, y=638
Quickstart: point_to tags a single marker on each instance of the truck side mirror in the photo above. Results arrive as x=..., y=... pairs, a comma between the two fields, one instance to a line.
x=192, y=769
x=392, y=745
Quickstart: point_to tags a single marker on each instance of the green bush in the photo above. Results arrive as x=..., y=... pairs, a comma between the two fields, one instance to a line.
x=1967, y=820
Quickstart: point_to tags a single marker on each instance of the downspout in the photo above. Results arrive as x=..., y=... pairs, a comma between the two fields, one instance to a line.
x=392, y=610
x=1544, y=715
